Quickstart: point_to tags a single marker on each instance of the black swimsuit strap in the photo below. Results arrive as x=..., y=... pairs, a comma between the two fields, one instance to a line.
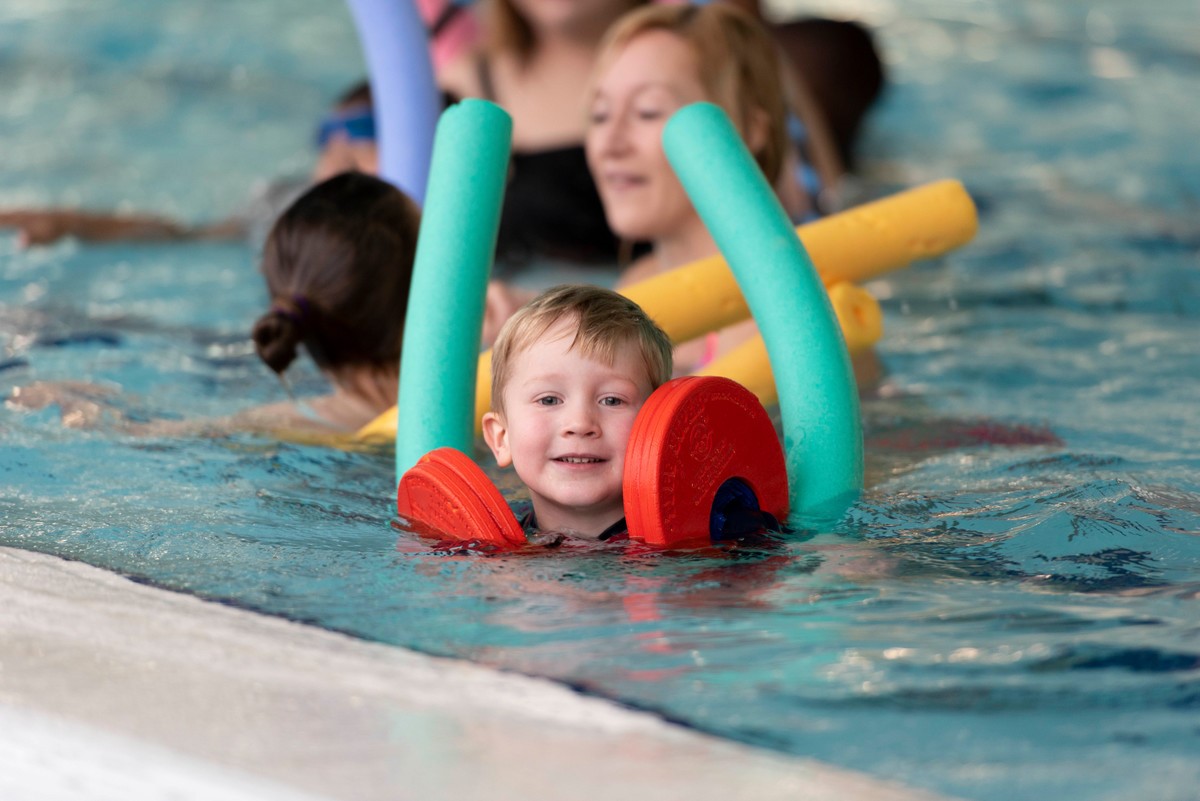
x=483, y=69
x=529, y=523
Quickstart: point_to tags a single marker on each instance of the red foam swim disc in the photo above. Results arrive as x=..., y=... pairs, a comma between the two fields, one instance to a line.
x=447, y=492
x=690, y=437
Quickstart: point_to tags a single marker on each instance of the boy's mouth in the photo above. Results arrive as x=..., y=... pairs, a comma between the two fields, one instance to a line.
x=579, y=459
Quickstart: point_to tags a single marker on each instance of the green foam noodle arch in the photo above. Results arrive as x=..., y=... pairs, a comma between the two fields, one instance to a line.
x=818, y=396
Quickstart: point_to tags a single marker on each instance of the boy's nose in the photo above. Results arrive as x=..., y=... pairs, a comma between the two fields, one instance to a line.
x=581, y=421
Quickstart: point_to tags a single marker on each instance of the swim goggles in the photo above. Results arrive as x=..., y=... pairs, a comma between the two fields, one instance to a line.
x=355, y=124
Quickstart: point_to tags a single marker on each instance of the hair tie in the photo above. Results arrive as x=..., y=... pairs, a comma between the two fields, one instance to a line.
x=297, y=310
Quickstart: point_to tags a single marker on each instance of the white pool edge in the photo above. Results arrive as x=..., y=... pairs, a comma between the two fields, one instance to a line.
x=113, y=689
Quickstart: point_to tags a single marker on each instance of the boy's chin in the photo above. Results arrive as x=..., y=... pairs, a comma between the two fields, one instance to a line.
x=587, y=520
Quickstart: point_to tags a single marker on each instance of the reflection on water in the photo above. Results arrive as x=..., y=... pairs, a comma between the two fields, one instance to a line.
x=1009, y=611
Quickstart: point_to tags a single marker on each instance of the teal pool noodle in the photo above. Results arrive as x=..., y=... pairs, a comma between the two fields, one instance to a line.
x=455, y=247
x=818, y=397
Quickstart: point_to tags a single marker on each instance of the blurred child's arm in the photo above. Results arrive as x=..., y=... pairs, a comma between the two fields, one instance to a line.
x=46, y=226
x=81, y=404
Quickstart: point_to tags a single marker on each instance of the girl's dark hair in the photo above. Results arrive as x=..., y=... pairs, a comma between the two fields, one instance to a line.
x=357, y=95
x=338, y=264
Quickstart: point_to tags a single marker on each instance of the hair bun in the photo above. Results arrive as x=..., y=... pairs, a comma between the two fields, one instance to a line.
x=277, y=335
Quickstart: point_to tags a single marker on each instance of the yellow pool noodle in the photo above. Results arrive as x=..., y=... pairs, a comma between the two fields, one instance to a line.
x=851, y=246
x=862, y=326
x=859, y=314
x=855, y=245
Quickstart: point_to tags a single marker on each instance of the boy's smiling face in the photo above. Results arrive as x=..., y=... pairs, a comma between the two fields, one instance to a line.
x=566, y=423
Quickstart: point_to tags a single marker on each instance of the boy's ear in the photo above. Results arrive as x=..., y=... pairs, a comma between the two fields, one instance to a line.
x=495, y=434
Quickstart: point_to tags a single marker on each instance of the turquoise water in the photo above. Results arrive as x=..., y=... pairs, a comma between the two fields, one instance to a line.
x=990, y=621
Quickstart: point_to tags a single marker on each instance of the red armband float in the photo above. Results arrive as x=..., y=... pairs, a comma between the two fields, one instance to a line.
x=448, y=494
x=698, y=445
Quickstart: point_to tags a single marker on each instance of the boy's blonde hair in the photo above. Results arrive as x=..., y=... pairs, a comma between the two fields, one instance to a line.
x=738, y=62
x=606, y=321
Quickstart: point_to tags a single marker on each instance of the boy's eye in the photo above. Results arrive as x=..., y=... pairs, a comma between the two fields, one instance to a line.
x=611, y=401
x=547, y=400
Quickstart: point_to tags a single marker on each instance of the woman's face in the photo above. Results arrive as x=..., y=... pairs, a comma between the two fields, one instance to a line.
x=653, y=76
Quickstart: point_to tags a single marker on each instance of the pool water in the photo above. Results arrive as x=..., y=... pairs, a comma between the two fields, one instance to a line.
x=1010, y=611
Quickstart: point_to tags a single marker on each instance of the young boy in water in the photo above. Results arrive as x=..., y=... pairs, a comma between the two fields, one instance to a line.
x=570, y=370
